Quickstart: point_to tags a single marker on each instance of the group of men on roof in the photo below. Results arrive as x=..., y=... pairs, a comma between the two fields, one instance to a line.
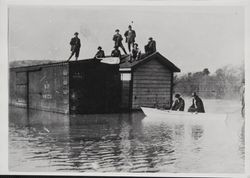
x=130, y=35
x=196, y=106
x=135, y=54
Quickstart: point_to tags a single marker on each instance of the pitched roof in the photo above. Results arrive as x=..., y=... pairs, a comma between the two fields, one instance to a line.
x=156, y=55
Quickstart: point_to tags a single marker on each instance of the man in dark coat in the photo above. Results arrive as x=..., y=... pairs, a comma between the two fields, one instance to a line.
x=130, y=37
x=116, y=52
x=75, y=46
x=197, y=104
x=179, y=103
x=135, y=53
x=150, y=47
x=100, y=53
x=117, y=38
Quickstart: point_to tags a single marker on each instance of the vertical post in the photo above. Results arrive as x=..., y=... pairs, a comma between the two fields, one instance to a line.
x=120, y=93
x=27, y=98
x=27, y=89
x=131, y=91
x=69, y=91
x=171, y=89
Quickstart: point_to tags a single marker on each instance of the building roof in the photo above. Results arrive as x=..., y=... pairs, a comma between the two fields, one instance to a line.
x=125, y=64
x=38, y=65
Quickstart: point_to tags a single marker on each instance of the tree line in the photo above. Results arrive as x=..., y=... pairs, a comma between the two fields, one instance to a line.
x=224, y=83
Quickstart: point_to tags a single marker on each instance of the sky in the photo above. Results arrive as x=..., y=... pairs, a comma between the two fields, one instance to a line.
x=192, y=37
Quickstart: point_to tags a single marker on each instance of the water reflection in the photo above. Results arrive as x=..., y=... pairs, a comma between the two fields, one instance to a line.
x=197, y=132
x=45, y=141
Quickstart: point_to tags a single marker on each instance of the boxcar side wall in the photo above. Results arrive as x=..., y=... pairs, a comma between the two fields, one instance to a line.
x=18, y=88
x=45, y=88
x=94, y=87
x=49, y=89
x=152, y=85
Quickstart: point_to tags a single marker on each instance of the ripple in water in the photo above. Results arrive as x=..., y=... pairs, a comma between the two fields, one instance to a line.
x=43, y=141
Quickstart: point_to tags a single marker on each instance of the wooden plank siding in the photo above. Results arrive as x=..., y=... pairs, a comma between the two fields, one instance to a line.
x=77, y=87
x=44, y=88
x=151, y=85
x=12, y=87
x=125, y=95
x=49, y=89
x=18, y=88
x=94, y=88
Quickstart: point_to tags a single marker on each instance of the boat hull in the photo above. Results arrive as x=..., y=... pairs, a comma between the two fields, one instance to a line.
x=169, y=114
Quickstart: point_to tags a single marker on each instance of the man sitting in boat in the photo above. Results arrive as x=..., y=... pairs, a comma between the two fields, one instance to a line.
x=179, y=103
x=197, y=104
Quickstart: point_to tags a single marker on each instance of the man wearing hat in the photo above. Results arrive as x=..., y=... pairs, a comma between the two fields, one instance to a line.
x=150, y=47
x=116, y=52
x=197, y=104
x=75, y=46
x=117, y=38
x=135, y=53
x=100, y=53
x=130, y=37
x=179, y=103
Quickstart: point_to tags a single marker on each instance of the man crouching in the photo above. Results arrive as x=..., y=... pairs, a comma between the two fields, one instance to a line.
x=197, y=104
x=179, y=103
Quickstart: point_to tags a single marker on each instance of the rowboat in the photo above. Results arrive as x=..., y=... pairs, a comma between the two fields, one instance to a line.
x=169, y=114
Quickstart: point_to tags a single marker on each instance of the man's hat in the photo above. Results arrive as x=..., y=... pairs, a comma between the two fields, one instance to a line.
x=150, y=38
x=117, y=30
x=177, y=95
x=129, y=26
x=99, y=47
x=76, y=33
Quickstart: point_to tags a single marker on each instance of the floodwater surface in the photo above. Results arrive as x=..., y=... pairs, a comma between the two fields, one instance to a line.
x=43, y=141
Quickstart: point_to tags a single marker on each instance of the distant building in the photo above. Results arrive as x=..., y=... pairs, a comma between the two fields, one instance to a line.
x=147, y=82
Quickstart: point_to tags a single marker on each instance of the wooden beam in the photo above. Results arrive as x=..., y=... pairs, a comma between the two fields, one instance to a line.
x=171, y=88
x=131, y=91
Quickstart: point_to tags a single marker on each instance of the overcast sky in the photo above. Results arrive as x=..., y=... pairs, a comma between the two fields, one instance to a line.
x=193, y=38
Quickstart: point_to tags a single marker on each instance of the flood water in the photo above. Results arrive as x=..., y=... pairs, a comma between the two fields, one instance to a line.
x=43, y=141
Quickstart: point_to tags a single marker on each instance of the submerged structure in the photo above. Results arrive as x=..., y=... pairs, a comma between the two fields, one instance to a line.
x=81, y=87
x=90, y=86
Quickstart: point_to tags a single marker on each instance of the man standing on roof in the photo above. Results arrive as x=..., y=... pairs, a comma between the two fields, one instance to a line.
x=197, y=104
x=117, y=38
x=135, y=53
x=150, y=47
x=179, y=103
x=130, y=37
x=75, y=46
x=100, y=53
x=116, y=52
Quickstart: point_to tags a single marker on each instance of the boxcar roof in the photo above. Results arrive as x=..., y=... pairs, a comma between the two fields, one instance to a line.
x=126, y=64
x=29, y=67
